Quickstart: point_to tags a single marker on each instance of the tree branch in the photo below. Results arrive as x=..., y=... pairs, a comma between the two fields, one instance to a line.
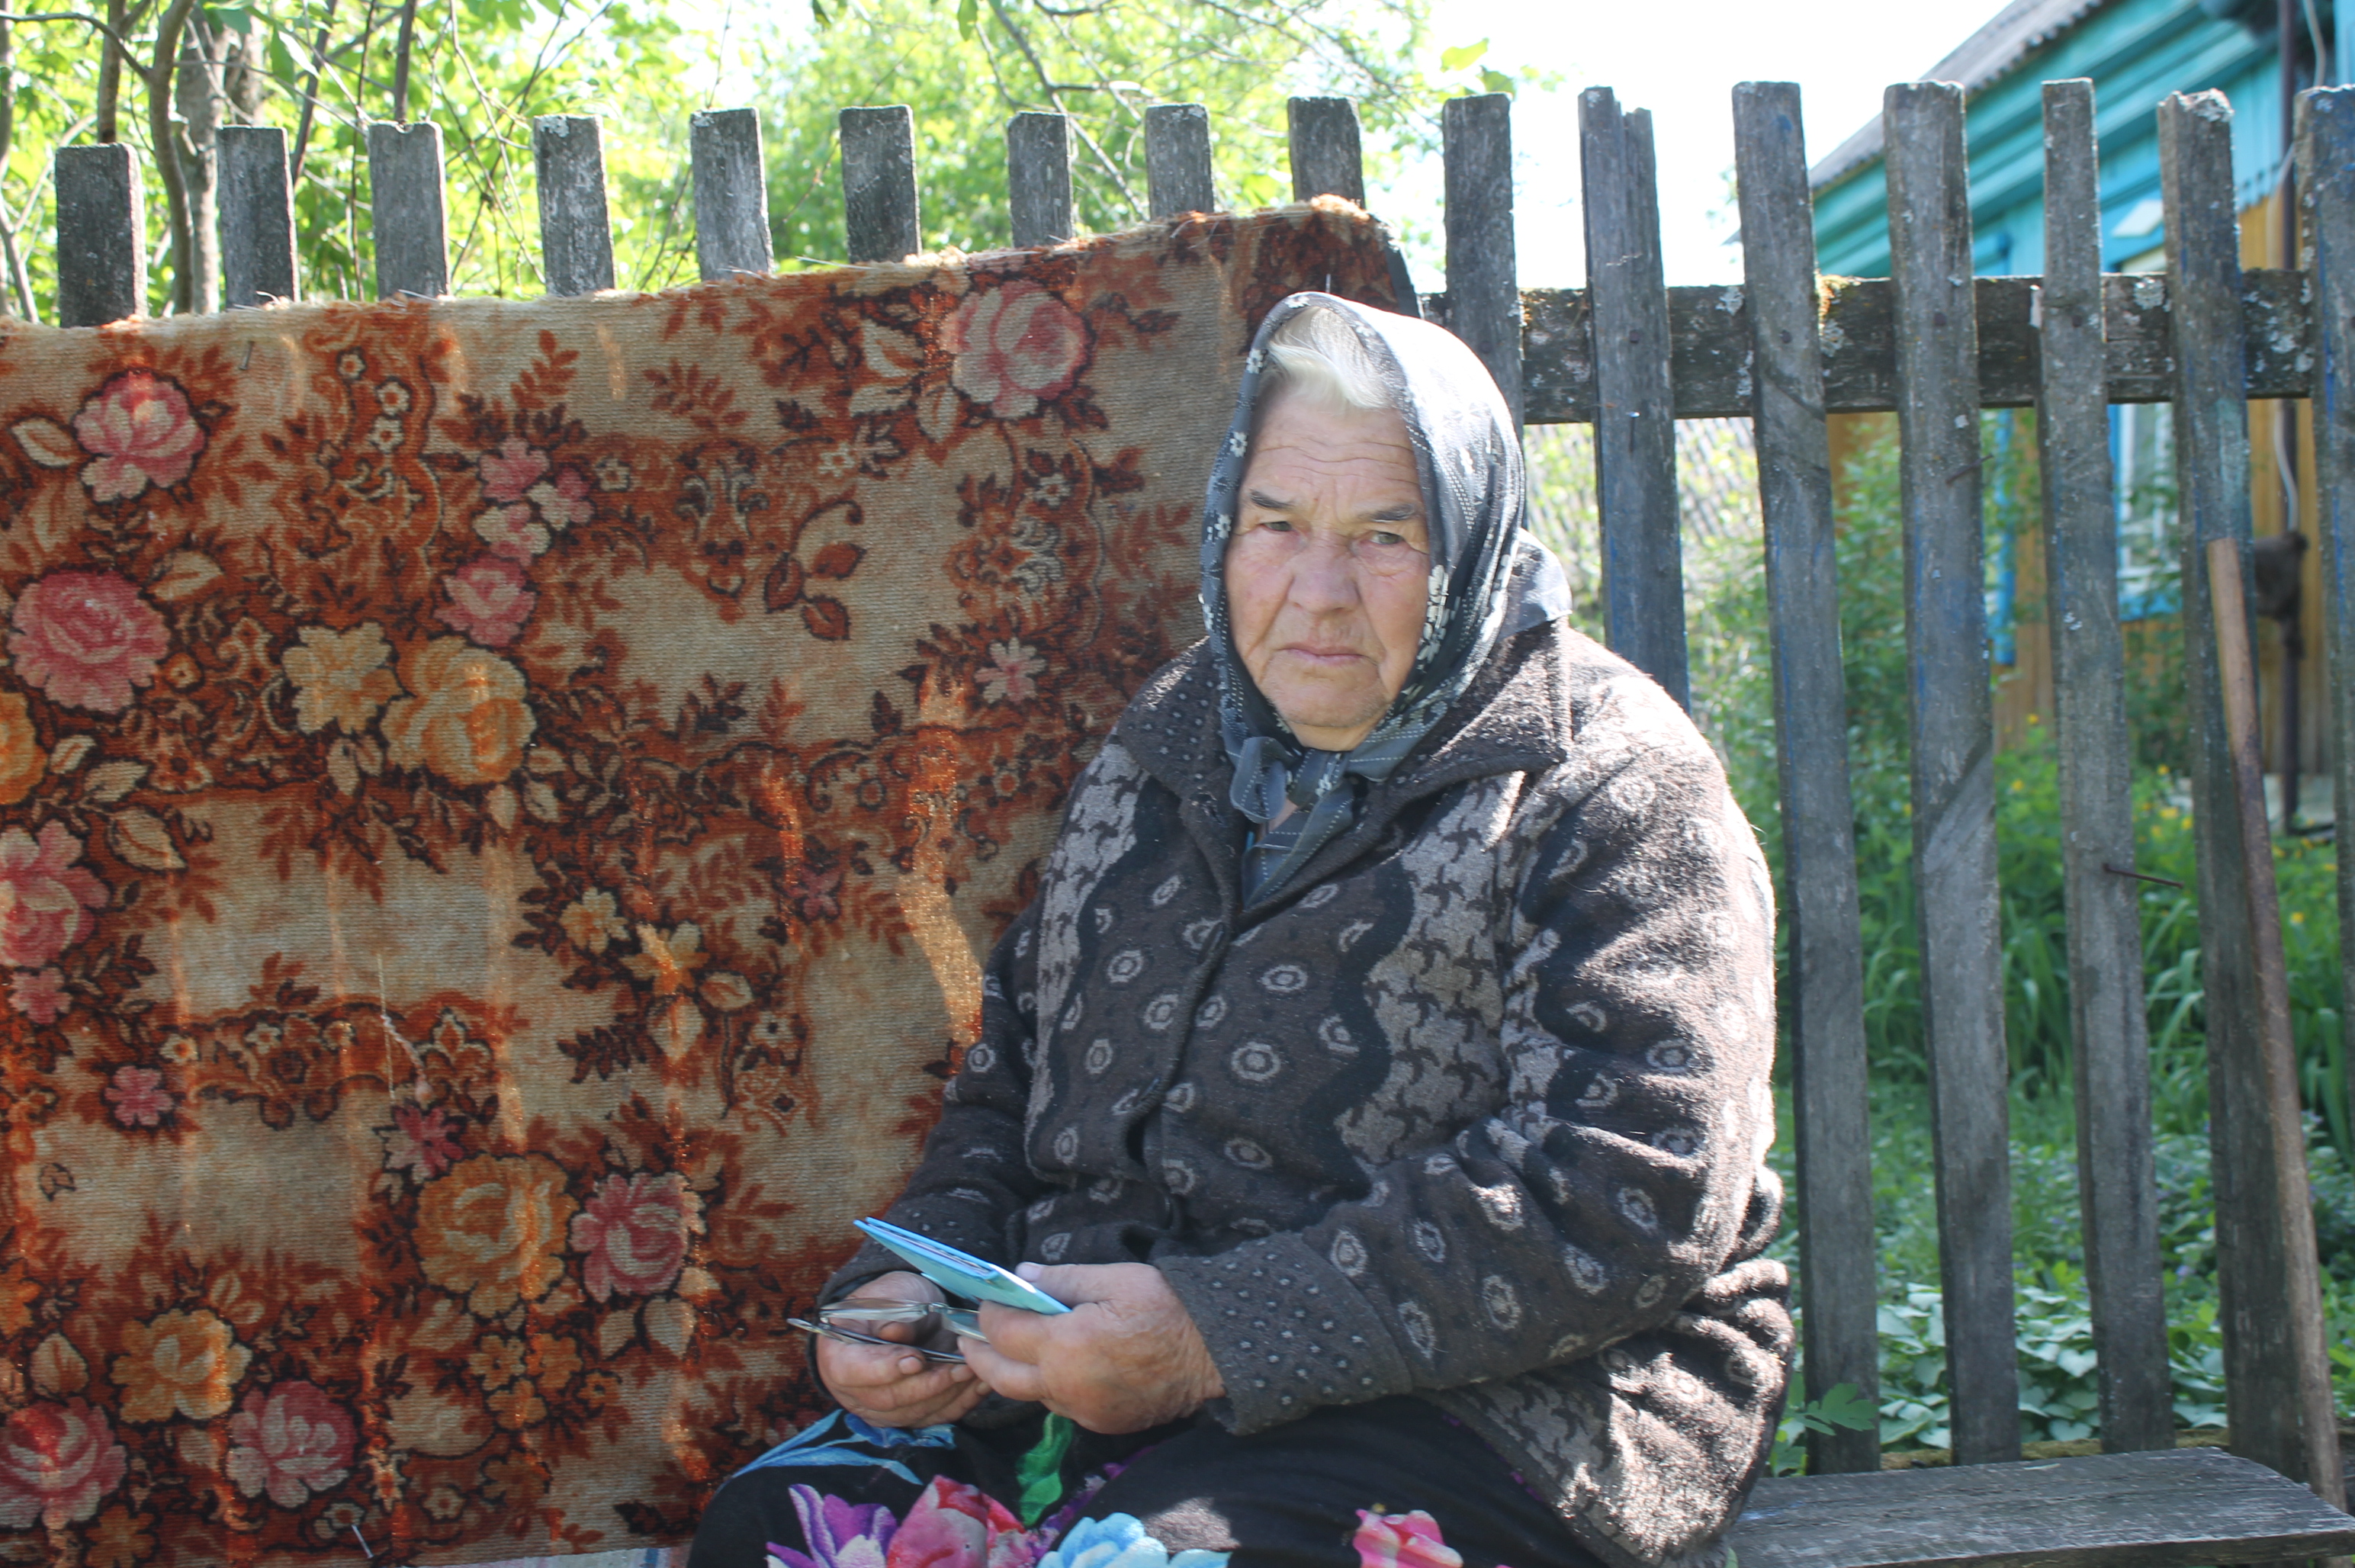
x=1111, y=169
x=310, y=87
x=165, y=144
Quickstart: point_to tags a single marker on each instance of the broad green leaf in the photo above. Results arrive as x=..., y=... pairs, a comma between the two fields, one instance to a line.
x=1463, y=55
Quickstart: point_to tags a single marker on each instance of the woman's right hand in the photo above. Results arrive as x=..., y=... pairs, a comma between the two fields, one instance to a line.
x=897, y=1388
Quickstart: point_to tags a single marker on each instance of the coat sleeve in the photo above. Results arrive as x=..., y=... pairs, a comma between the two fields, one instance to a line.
x=1620, y=1174
x=975, y=1176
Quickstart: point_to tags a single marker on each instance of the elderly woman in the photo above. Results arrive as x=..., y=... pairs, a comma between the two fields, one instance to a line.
x=1381, y=1072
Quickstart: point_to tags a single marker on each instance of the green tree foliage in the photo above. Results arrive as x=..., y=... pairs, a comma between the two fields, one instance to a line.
x=483, y=69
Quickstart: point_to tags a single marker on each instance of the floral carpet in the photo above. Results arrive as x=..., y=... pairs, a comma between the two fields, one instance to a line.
x=501, y=807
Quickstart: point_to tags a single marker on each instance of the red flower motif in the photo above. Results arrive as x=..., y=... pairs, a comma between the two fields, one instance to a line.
x=139, y=431
x=815, y=892
x=290, y=1441
x=511, y=471
x=421, y=1141
x=635, y=1231
x=39, y=993
x=954, y=1525
x=1012, y=667
x=44, y=898
x=1402, y=1541
x=86, y=638
x=490, y=599
x=57, y=1462
x=139, y=1097
x=1015, y=345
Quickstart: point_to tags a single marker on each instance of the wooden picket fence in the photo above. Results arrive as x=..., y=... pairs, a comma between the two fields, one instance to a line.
x=1631, y=356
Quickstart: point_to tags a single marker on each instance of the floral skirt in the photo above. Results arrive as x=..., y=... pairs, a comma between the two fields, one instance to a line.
x=1394, y=1484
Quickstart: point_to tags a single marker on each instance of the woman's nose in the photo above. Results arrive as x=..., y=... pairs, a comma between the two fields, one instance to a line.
x=1324, y=575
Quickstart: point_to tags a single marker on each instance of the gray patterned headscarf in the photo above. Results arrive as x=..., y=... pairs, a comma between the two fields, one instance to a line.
x=1490, y=578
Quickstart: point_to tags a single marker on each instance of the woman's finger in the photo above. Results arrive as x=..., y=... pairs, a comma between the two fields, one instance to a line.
x=1015, y=1380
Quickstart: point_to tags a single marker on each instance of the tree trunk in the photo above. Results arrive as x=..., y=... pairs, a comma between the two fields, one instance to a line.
x=201, y=99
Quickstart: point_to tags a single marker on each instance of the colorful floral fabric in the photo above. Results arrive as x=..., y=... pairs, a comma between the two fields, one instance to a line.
x=501, y=807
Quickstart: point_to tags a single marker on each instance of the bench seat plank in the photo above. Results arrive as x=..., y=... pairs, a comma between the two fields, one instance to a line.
x=2164, y=1510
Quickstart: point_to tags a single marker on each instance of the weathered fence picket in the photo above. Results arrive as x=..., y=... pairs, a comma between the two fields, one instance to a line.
x=2252, y=1248
x=732, y=194
x=1483, y=295
x=1632, y=355
x=1634, y=422
x=2116, y=1184
x=1839, y=1284
x=2326, y=184
x=411, y=226
x=1039, y=178
x=101, y=236
x=576, y=238
x=879, y=183
x=1327, y=159
x=257, y=217
x=1178, y=160
x=1953, y=742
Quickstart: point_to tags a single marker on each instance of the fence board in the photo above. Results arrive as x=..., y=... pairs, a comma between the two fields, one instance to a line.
x=1836, y=1273
x=1178, y=160
x=2118, y=1192
x=576, y=238
x=1039, y=178
x=101, y=229
x=412, y=252
x=1710, y=344
x=1484, y=293
x=878, y=183
x=1325, y=158
x=1952, y=736
x=257, y=217
x=732, y=194
x=1635, y=436
x=2327, y=189
x=2211, y=437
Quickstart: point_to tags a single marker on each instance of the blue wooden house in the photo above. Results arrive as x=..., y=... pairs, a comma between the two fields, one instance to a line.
x=2136, y=52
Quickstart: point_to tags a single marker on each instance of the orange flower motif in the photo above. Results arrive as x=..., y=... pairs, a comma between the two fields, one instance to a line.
x=339, y=677
x=468, y=721
x=22, y=761
x=670, y=962
x=121, y=1539
x=184, y=1361
x=493, y=1229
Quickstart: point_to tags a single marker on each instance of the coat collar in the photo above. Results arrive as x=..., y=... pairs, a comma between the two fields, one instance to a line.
x=1514, y=718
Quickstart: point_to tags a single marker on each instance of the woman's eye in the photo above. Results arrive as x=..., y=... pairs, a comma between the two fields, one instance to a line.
x=1276, y=525
x=1384, y=537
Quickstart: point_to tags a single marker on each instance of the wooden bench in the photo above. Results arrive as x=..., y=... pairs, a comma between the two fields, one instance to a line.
x=2164, y=1510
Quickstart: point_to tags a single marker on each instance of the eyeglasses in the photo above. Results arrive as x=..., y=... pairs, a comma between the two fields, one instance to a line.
x=852, y=1319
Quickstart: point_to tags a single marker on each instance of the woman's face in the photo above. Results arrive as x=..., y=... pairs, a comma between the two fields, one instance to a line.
x=1327, y=568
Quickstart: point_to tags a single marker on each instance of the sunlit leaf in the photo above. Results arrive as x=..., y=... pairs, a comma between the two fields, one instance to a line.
x=1463, y=56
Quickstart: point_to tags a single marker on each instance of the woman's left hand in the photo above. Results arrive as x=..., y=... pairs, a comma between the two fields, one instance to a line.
x=1125, y=1358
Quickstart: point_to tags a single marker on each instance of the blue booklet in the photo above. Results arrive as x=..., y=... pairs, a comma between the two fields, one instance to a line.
x=960, y=1273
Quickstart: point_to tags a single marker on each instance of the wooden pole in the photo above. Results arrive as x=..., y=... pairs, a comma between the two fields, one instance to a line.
x=413, y=252
x=2116, y=1184
x=879, y=183
x=576, y=238
x=1326, y=157
x=2316, y=1412
x=257, y=217
x=1178, y=160
x=732, y=194
x=1039, y=178
x=1634, y=421
x=101, y=240
x=1957, y=908
x=2212, y=471
x=1483, y=291
x=1838, y=1280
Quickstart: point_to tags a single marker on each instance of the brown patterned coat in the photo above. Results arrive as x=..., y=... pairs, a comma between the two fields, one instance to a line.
x=1474, y=1109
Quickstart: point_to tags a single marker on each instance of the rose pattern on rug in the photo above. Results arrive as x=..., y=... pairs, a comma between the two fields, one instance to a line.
x=500, y=808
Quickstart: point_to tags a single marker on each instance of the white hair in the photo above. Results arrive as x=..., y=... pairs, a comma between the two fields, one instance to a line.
x=1316, y=356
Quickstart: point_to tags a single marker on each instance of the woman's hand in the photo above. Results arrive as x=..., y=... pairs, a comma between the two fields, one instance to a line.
x=898, y=1388
x=1124, y=1358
